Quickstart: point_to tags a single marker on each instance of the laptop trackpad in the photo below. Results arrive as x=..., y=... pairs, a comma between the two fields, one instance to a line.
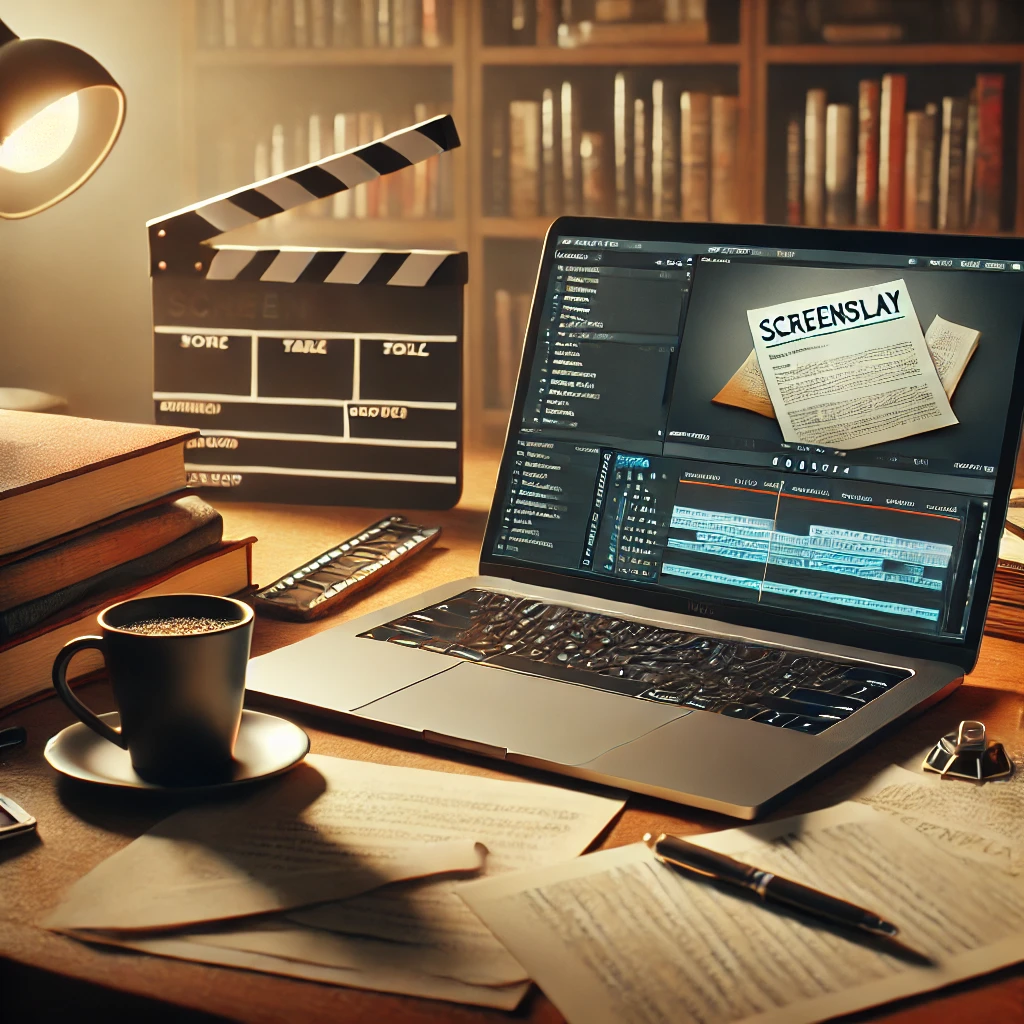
x=521, y=714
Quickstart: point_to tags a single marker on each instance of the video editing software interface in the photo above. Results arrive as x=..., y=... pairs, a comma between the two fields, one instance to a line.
x=806, y=430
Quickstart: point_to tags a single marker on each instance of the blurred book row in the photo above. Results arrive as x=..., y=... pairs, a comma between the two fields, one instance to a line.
x=881, y=165
x=664, y=153
x=573, y=23
x=322, y=24
x=894, y=21
x=424, y=190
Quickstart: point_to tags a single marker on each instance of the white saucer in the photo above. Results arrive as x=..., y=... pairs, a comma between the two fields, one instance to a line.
x=266, y=746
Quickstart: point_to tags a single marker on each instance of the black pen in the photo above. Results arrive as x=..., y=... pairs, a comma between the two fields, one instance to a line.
x=696, y=860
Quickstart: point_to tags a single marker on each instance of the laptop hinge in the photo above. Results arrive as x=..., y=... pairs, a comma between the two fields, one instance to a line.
x=470, y=746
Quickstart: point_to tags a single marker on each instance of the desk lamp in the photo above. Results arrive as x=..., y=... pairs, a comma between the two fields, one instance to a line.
x=60, y=115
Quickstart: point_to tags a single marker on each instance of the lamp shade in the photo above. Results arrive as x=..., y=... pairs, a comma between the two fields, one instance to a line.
x=60, y=115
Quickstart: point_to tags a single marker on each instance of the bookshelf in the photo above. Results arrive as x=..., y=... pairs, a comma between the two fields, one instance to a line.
x=478, y=69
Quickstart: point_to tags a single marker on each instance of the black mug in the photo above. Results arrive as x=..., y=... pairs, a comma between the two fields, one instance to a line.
x=179, y=694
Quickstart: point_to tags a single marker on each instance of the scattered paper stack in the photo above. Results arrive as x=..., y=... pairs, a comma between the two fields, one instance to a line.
x=617, y=937
x=299, y=879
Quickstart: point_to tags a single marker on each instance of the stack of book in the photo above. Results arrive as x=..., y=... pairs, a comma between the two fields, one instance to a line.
x=1006, y=610
x=319, y=24
x=605, y=23
x=881, y=165
x=91, y=513
x=666, y=153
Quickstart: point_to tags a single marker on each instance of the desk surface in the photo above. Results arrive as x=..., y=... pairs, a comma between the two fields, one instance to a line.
x=79, y=826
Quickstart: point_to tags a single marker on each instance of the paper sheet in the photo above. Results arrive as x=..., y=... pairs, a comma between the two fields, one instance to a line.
x=950, y=346
x=309, y=838
x=618, y=938
x=523, y=825
x=419, y=940
x=985, y=823
x=373, y=977
x=849, y=369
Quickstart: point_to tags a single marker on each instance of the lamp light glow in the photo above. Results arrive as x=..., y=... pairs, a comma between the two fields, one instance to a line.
x=43, y=139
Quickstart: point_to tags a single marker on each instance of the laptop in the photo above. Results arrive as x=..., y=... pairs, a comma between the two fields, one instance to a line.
x=747, y=514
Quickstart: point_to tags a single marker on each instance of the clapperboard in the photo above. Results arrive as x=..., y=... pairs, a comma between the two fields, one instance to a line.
x=327, y=376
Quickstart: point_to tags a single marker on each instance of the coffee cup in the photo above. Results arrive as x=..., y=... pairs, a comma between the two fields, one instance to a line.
x=177, y=666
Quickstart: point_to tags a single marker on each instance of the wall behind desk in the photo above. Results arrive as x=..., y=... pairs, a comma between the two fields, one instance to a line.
x=75, y=312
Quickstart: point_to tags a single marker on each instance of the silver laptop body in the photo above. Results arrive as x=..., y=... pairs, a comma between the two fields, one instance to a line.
x=690, y=538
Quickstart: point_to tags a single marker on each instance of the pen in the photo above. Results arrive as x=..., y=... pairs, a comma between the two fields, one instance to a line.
x=698, y=861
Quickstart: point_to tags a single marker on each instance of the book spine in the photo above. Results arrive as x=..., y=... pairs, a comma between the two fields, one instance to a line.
x=524, y=158
x=970, y=157
x=795, y=171
x=868, y=98
x=725, y=115
x=695, y=155
x=814, y=158
x=950, y=216
x=384, y=22
x=664, y=155
x=622, y=128
x=641, y=160
x=255, y=24
x=571, y=177
x=892, y=148
x=280, y=24
x=319, y=24
x=498, y=162
x=913, y=156
x=838, y=165
x=368, y=23
x=300, y=23
x=551, y=174
x=988, y=174
x=430, y=34
x=924, y=194
x=344, y=138
x=547, y=22
x=593, y=164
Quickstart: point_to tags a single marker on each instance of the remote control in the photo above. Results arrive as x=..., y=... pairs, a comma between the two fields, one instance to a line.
x=322, y=584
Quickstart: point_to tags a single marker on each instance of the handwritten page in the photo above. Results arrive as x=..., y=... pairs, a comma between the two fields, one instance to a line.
x=618, y=938
x=985, y=823
x=949, y=345
x=849, y=369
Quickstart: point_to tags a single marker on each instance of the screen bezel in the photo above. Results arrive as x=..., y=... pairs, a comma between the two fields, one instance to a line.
x=962, y=653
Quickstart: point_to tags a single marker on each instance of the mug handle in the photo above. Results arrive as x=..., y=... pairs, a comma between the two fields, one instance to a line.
x=60, y=684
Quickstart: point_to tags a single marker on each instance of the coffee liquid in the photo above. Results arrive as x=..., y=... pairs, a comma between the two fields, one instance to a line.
x=177, y=625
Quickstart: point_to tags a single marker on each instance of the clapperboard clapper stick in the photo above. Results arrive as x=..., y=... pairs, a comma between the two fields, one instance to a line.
x=316, y=375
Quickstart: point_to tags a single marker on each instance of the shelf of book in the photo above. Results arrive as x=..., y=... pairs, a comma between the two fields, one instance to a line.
x=897, y=53
x=487, y=67
x=559, y=56
x=407, y=56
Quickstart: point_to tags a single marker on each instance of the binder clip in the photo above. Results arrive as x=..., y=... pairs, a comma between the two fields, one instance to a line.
x=967, y=754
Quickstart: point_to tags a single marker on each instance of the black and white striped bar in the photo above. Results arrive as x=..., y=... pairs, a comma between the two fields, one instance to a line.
x=415, y=268
x=174, y=237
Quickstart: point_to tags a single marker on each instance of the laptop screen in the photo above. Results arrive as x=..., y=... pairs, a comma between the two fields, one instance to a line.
x=810, y=432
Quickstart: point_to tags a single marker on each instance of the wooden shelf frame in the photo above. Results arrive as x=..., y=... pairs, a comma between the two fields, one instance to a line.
x=472, y=64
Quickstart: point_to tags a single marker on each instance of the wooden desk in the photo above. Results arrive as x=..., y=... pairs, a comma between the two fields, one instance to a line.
x=43, y=974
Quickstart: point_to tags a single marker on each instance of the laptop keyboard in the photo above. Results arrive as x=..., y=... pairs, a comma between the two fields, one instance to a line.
x=771, y=685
